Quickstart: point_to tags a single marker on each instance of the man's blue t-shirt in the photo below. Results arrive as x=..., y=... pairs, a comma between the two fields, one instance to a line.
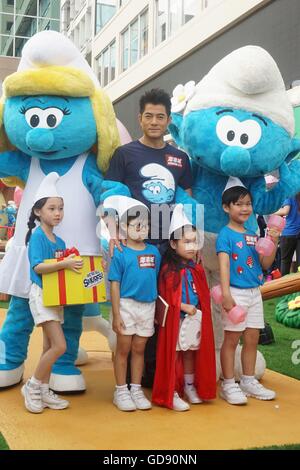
x=137, y=272
x=41, y=248
x=152, y=175
x=245, y=268
x=292, y=226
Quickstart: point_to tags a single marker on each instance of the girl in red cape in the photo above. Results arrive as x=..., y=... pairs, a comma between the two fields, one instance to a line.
x=182, y=284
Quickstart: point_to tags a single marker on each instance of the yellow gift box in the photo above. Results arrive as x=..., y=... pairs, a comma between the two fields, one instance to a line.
x=65, y=287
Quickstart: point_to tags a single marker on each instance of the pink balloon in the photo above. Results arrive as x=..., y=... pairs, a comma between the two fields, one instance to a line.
x=124, y=134
x=18, y=195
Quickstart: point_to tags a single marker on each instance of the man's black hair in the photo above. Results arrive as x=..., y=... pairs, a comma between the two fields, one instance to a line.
x=232, y=195
x=156, y=96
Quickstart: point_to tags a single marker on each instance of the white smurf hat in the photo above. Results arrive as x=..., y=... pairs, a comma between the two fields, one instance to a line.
x=249, y=79
x=232, y=182
x=47, y=188
x=179, y=219
x=294, y=94
x=123, y=204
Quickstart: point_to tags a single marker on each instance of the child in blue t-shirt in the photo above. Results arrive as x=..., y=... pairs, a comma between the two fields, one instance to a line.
x=133, y=275
x=48, y=209
x=241, y=275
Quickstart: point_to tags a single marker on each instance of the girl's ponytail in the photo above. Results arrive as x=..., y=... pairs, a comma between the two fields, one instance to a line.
x=31, y=225
x=31, y=222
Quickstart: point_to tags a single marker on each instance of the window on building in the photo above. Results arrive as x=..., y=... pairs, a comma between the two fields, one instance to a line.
x=25, y=26
x=10, y=2
x=171, y=15
x=134, y=41
x=28, y=8
x=5, y=23
x=144, y=33
x=105, y=10
x=106, y=64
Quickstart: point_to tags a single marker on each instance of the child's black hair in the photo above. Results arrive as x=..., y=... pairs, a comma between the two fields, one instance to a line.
x=232, y=195
x=33, y=217
x=171, y=258
x=156, y=96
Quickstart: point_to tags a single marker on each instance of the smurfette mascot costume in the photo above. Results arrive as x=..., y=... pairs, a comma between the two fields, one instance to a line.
x=53, y=117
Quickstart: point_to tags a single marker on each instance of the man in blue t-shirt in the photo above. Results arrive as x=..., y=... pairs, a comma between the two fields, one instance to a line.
x=151, y=168
x=290, y=237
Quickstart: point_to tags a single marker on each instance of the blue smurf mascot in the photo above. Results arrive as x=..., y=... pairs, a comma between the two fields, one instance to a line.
x=236, y=122
x=53, y=117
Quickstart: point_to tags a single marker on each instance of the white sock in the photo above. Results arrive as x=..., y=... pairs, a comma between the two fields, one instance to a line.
x=135, y=387
x=35, y=382
x=247, y=378
x=45, y=388
x=121, y=388
x=228, y=381
x=189, y=380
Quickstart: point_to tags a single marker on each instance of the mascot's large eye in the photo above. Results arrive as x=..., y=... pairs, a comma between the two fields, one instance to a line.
x=34, y=116
x=250, y=133
x=52, y=117
x=244, y=134
x=228, y=130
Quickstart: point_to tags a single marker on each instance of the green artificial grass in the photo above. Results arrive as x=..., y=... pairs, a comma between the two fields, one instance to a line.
x=4, y=304
x=286, y=447
x=3, y=445
x=278, y=355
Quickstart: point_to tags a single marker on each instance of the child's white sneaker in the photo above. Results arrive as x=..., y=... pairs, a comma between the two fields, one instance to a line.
x=139, y=399
x=32, y=395
x=255, y=389
x=192, y=395
x=233, y=394
x=53, y=401
x=123, y=401
x=179, y=404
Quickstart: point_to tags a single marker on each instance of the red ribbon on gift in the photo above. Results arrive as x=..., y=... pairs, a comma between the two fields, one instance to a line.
x=61, y=275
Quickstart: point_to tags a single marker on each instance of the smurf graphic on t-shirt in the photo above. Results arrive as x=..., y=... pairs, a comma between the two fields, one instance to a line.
x=160, y=187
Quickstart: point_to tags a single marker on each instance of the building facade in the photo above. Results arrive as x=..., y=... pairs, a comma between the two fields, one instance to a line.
x=134, y=45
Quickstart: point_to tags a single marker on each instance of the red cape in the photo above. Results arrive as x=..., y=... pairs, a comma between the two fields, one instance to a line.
x=169, y=372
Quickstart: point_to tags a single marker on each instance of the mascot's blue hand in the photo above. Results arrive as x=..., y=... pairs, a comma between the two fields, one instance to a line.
x=113, y=188
x=191, y=206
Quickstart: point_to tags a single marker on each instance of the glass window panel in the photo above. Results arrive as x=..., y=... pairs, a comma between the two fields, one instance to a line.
x=105, y=67
x=190, y=8
x=25, y=26
x=113, y=61
x=6, y=24
x=26, y=7
x=105, y=10
x=45, y=23
x=20, y=42
x=99, y=68
x=49, y=8
x=6, y=46
x=144, y=34
x=134, y=42
x=6, y=7
x=175, y=15
x=161, y=20
x=125, y=50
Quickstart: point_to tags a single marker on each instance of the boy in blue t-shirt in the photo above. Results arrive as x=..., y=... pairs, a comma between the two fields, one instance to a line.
x=133, y=275
x=241, y=275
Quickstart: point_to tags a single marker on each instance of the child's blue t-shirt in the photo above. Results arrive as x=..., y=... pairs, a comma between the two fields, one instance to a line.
x=192, y=298
x=41, y=248
x=137, y=272
x=245, y=268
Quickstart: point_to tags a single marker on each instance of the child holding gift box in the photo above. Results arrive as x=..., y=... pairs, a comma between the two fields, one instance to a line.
x=133, y=276
x=48, y=209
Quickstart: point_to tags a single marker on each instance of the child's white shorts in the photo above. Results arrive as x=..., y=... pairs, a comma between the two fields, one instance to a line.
x=251, y=301
x=41, y=313
x=138, y=317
